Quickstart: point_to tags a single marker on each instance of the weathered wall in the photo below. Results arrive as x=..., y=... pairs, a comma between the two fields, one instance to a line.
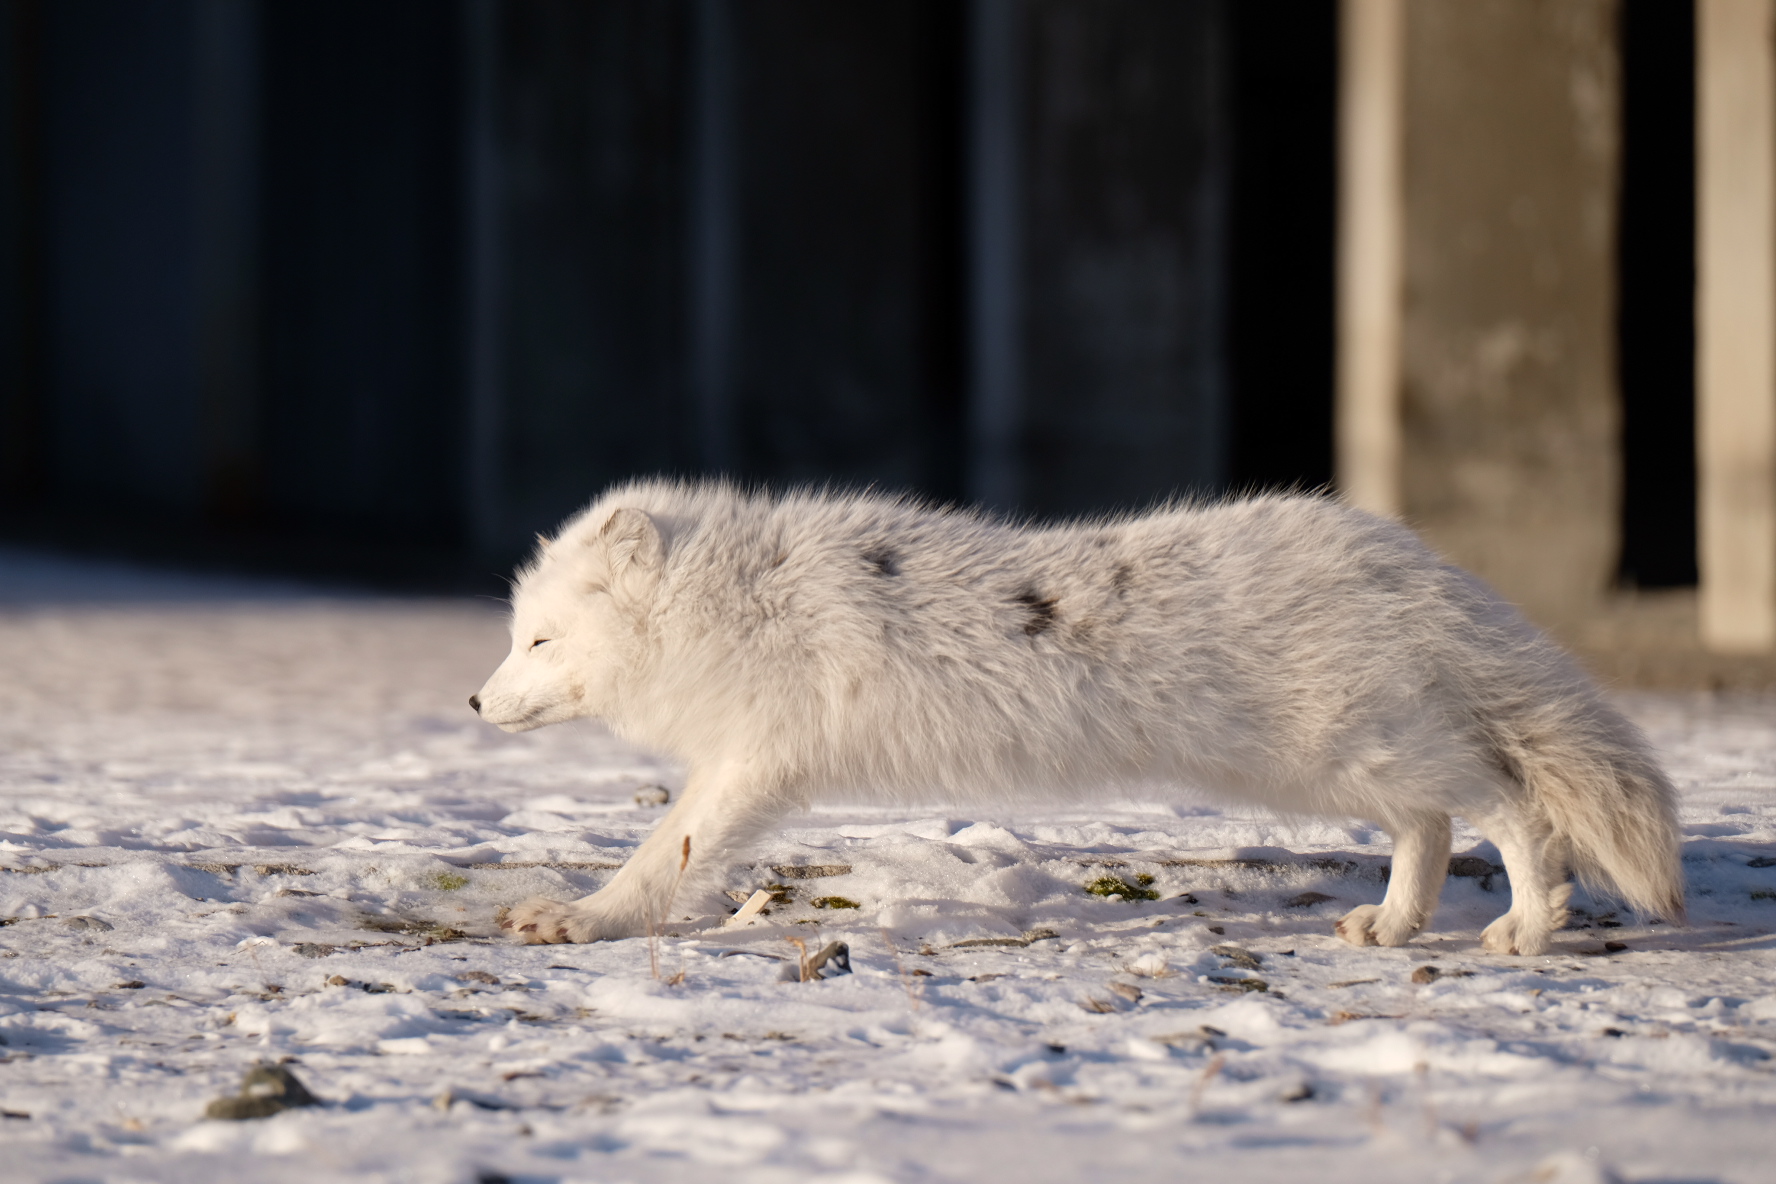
x=1510, y=408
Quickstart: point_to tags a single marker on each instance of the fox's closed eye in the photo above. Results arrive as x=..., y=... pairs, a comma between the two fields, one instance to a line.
x=541, y=641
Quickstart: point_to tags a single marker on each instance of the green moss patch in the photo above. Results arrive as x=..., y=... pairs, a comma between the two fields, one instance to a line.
x=1117, y=886
x=836, y=902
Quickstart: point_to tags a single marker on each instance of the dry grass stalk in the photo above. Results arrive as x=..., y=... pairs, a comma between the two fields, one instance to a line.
x=802, y=946
x=654, y=924
x=1215, y=1065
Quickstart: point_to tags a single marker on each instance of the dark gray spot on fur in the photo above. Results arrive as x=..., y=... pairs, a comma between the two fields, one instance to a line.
x=1121, y=578
x=886, y=562
x=1041, y=609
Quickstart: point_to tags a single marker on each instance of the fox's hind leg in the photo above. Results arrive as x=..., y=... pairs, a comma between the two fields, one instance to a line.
x=1536, y=860
x=1421, y=861
x=715, y=817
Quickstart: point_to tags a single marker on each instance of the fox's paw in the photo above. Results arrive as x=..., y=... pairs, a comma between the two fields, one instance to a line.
x=1371, y=925
x=539, y=921
x=1511, y=934
x=1358, y=925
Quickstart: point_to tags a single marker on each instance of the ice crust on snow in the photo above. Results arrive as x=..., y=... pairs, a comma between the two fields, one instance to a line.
x=299, y=837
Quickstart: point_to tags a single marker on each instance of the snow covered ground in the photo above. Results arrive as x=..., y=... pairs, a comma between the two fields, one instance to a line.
x=242, y=822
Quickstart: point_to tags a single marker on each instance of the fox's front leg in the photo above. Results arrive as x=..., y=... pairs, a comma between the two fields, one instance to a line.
x=718, y=813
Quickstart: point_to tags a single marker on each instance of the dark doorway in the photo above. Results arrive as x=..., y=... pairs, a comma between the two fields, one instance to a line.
x=1656, y=325
x=1283, y=57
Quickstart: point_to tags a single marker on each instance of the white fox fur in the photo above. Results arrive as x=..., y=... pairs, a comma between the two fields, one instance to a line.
x=1284, y=650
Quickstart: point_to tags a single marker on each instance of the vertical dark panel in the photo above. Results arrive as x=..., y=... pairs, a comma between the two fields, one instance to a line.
x=21, y=287
x=593, y=155
x=711, y=232
x=361, y=228
x=1125, y=398
x=940, y=68
x=848, y=293
x=1656, y=325
x=225, y=206
x=482, y=491
x=1282, y=55
x=994, y=189
x=122, y=382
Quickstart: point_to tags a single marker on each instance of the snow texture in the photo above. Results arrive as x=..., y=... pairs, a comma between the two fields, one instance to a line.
x=245, y=822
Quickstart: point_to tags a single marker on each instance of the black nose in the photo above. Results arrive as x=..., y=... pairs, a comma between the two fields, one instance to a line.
x=475, y=702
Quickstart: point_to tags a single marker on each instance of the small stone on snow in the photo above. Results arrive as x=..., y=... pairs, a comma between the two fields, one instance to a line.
x=267, y=1089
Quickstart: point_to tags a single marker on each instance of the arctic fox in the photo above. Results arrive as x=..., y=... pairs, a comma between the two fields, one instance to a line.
x=1285, y=650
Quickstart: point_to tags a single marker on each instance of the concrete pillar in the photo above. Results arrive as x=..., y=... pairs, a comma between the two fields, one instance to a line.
x=1370, y=242
x=1510, y=414
x=1736, y=324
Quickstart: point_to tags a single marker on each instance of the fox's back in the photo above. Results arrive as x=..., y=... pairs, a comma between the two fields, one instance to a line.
x=902, y=644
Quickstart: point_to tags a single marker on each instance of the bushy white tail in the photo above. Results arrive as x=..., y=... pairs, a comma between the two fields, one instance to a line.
x=1593, y=778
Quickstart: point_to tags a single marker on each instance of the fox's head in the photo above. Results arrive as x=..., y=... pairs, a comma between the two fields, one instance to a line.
x=578, y=615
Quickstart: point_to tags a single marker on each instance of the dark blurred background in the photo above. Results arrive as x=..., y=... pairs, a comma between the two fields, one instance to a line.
x=381, y=289
x=390, y=286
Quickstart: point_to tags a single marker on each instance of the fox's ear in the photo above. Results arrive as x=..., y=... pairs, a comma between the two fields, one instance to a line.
x=634, y=545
